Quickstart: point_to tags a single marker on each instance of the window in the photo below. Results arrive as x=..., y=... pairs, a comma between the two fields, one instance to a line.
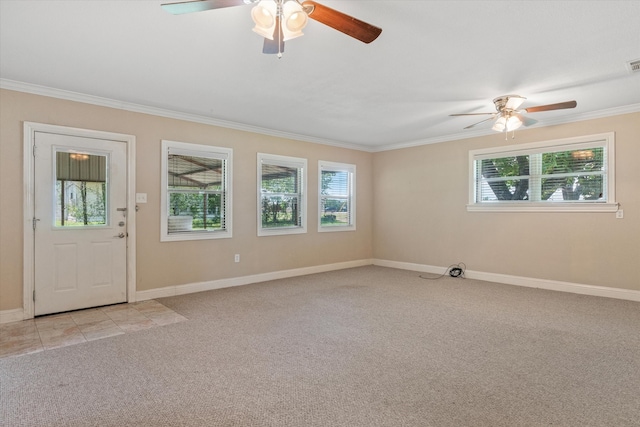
x=336, y=196
x=81, y=189
x=282, y=185
x=196, y=192
x=573, y=174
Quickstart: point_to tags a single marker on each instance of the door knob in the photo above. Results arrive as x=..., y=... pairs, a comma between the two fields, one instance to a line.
x=121, y=236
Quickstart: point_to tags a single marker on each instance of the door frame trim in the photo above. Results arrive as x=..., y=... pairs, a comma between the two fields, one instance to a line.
x=30, y=129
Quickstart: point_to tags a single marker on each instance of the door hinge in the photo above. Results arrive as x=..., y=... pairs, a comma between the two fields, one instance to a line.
x=34, y=296
x=34, y=150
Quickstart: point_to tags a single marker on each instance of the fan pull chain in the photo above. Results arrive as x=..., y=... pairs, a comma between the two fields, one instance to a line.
x=279, y=18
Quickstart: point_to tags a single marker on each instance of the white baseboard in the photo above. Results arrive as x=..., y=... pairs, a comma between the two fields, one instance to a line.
x=530, y=282
x=189, y=288
x=17, y=314
x=14, y=315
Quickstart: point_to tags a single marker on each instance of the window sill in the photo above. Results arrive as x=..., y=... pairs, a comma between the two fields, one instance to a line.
x=335, y=228
x=281, y=231
x=542, y=207
x=196, y=235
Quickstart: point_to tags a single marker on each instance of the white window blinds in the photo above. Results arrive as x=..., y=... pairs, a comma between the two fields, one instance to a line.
x=336, y=196
x=552, y=175
x=196, y=193
x=281, y=194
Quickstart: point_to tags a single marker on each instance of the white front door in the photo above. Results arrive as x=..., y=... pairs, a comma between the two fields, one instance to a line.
x=80, y=238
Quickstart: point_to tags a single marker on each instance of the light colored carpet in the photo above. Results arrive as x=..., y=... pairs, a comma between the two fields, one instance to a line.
x=369, y=346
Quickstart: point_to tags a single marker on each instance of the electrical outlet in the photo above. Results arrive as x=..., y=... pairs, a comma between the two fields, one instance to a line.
x=236, y=258
x=619, y=213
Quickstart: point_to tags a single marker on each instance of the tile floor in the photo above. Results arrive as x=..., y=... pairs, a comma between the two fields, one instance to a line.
x=60, y=330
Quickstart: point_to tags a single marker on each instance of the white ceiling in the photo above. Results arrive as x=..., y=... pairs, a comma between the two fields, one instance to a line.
x=433, y=58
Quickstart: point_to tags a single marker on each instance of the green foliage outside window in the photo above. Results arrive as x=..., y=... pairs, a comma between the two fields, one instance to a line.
x=573, y=162
x=510, y=189
x=204, y=208
x=576, y=173
x=335, y=198
x=280, y=199
x=84, y=203
x=279, y=211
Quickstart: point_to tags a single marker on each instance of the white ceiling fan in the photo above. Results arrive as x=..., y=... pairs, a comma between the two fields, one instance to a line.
x=281, y=20
x=507, y=116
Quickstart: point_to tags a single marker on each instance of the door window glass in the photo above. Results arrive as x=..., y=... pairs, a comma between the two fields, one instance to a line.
x=81, y=189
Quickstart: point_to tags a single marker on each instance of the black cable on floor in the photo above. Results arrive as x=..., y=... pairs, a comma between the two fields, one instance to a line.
x=454, y=270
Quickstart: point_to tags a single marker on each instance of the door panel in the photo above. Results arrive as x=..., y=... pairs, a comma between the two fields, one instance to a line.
x=66, y=266
x=80, y=235
x=102, y=257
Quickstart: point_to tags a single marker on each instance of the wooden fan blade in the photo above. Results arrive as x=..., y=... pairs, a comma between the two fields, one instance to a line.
x=558, y=106
x=275, y=46
x=346, y=24
x=470, y=114
x=485, y=120
x=200, y=5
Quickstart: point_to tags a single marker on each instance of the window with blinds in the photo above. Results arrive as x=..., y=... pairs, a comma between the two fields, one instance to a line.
x=196, y=195
x=336, y=196
x=281, y=195
x=574, y=174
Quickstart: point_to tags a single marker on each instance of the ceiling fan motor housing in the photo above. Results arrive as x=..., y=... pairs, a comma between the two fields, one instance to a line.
x=508, y=102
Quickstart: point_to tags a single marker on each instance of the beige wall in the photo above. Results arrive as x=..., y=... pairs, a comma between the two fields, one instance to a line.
x=417, y=213
x=174, y=263
x=420, y=214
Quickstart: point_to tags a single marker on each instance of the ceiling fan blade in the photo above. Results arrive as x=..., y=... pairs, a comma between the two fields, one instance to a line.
x=485, y=120
x=470, y=114
x=558, y=106
x=346, y=24
x=275, y=46
x=201, y=5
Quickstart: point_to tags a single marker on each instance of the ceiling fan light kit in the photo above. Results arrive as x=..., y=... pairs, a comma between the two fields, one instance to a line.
x=292, y=17
x=264, y=16
x=507, y=124
x=281, y=20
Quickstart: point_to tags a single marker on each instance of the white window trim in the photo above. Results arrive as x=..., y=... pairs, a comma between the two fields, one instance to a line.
x=606, y=140
x=289, y=162
x=202, y=151
x=338, y=167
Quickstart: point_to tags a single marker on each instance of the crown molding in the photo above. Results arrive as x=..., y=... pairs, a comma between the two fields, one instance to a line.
x=161, y=112
x=627, y=109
